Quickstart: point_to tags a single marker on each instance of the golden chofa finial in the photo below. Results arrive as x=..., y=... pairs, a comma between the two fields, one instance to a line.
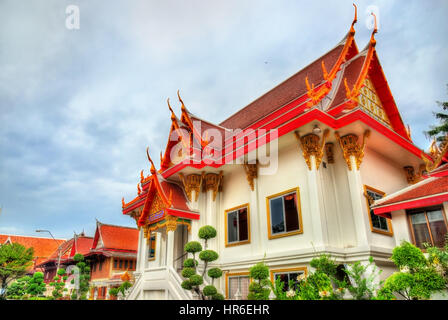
x=181, y=101
x=123, y=204
x=173, y=115
x=153, y=168
x=355, y=19
x=142, y=177
x=375, y=30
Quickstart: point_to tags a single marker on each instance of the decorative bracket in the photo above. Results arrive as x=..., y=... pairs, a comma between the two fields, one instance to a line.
x=350, y=147
x=213, y=182
x=411, y=176
x=192, y=182
x=311, y=147
x=251, y=173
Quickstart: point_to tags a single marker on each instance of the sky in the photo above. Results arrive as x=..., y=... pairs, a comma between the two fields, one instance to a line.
x=78, y=107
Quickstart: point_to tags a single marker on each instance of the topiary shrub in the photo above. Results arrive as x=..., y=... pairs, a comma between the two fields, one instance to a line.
x=209, y=290
x=194, y=280
x=218, y=296
x=259, y=289
x=408, y=256
x=207, y=232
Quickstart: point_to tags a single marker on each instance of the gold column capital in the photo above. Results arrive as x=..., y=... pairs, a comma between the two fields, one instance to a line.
x=213, y=182
x=311, y=146
x=192, y=182
x=251, y=173
x=350, y=147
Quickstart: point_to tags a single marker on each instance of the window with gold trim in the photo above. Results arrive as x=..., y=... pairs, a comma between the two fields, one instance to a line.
x=284, y=214
x=237, y=285
x=237, y=225
x=428, y=225
x=291, y=277
x=377, y=223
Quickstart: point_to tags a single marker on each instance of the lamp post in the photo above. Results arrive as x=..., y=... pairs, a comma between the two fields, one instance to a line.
x=59, y=249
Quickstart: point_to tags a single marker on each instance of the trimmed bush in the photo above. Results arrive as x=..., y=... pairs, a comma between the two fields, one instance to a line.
x=209, y=291
x=214, y=273
x=190, y=263
x=196, y=280
x=193, y=247
x=186, y=285
x=208, y=255
x=218, y=296
x=259, y=271
x=408, y=255
x=207, y=232
x=188, y=272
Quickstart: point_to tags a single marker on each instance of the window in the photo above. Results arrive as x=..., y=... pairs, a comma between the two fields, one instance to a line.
x=152, y=247
x=237, y=225
x=126, y=264
x=94, y=266
x=289, y=275
x=130, y=264
x=121, y=264
x=237, y=284
x=284, y=216
x=115, y=263
x=100, y=267
x=428, y=226
x=377, y=224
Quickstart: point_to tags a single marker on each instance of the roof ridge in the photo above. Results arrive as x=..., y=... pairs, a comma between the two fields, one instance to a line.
x=114, y=225
x=36, y=237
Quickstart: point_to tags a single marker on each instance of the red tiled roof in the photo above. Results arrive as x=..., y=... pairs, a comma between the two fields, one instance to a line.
x=116, y=237
x=285, y=92
x=425, y=188
x=43, y=247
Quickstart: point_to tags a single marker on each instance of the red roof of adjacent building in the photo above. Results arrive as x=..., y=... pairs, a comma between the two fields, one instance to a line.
x=115, y=238
x=78, y=244
x=43, y=247
x=430, y=191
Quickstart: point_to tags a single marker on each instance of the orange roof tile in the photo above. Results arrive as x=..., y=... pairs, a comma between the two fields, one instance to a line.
x=116, y=238
x=43, y=247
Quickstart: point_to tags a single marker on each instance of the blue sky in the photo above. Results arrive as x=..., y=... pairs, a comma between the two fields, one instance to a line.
x=79, y=107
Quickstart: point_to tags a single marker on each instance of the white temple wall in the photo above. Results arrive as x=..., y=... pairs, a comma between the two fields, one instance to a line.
x=385, y=175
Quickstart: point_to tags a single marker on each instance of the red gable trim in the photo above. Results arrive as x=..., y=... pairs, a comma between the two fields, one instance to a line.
x=410, y=204
x=183, y=214
x=284, y=124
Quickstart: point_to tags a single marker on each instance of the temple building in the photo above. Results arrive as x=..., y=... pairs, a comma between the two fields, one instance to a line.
x=290, y=176
x=113, y=253
x=63, y=256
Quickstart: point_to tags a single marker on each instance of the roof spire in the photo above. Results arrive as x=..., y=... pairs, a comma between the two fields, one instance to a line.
x=153, y=168
x=375, y=30
x=184, y=109
x=355, y=19
x=173, y=115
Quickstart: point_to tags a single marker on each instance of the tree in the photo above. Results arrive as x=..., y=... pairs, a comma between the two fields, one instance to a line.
x=15, y=260
x=58, y=284
x=194, y=280
x=417, y=279
x=17, y=289
x=84, y=278
x=260, y=288
x=440, y=131
x=36, y=286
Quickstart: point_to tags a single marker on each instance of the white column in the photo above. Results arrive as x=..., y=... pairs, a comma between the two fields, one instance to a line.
x=141, y=251
x=257, y=233
x=210, y=217
x=170, y=249
x=360, y=219
x=319, y=230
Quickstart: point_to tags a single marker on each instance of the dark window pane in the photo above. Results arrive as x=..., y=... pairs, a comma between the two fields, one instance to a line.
x=377, y=221
x=115, y=263
x=242, y=219
x=126, y=264
x=232, y=226
x=121, y=264
x=130, y=264
x=277, y=222
x=437, y=226
x=421, y=232
x=152, y=247
x=291, y=213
